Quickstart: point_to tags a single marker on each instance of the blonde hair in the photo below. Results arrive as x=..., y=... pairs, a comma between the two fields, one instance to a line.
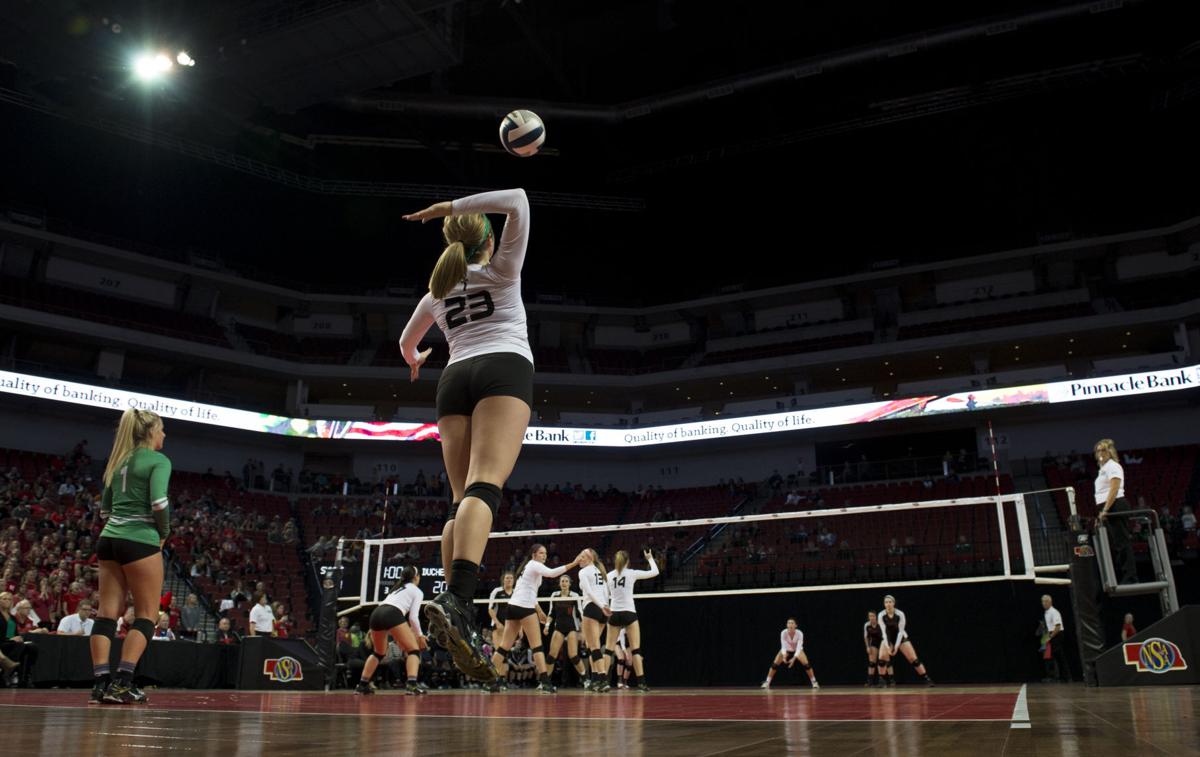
x=133, y=431
x=621, y=560
x=598, y=562
x=1108, y=446
x=460, y=233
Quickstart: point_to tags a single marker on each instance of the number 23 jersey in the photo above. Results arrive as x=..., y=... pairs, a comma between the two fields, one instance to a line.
x=484, y=314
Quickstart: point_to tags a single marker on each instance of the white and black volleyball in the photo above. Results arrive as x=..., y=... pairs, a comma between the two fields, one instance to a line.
x=522, y=133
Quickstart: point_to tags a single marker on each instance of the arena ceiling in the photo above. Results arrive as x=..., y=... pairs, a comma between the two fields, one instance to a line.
x=692, y=146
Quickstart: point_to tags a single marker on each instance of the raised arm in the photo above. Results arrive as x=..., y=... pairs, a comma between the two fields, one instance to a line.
x=509, y=255
x=640, y=574
x=414, y=332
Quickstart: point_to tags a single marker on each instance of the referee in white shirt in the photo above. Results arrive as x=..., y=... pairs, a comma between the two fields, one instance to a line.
x=1110, y=498
x=1056, y=663
x=262, y=618
x=79, y=624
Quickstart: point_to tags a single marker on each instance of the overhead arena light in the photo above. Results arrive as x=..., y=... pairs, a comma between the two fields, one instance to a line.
x=151, y=66
x=184, y=59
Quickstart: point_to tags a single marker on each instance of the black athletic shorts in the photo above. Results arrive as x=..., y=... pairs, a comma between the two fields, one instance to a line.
x=498, y=374
x=593, y=611
x=386, y=617
x=565, y=626
x=516, y=612
x=622, y=619
x=124, y=551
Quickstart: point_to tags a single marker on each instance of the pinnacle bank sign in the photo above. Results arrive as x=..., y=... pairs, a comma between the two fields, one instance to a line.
x=1125, y=386
x=1128, y=385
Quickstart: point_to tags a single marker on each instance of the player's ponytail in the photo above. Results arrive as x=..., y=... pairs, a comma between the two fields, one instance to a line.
x=598, y=562
x=133, y=431
x=465, y=235
x=621, y=560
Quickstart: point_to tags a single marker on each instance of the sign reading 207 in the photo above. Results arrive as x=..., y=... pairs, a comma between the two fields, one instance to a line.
x=463, y=310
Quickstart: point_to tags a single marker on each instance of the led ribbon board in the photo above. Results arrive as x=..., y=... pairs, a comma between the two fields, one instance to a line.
x=1128, y=385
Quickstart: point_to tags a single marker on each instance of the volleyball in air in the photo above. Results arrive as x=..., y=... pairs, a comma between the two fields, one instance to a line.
x=522, y=133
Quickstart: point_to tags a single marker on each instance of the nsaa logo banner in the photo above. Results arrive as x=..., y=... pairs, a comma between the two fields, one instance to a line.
x=283, y=669
x=1154, y=656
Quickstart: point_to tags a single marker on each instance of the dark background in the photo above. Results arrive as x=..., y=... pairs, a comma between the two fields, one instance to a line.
x=1071, y=127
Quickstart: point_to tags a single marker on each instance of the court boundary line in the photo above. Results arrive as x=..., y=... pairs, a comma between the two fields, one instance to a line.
x=1020, y=716
x=152, y=709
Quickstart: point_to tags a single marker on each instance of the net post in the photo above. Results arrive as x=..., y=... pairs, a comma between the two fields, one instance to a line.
x=378, y=574
x=1023, y=531
x=1003, y=535
x=362, y=581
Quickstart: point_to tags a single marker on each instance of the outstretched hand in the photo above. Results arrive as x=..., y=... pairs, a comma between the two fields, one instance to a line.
x=436, y=210
x=414, y=370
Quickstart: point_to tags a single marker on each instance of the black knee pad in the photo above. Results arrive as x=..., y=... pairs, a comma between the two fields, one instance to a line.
x=610, y=653
x=806, y=666
x=503, y=652
x=537, y=650
x=597, y=655
x=636, y=652
x=145, y=626
x=916, y=663
x=576, y=659
x=489, y=493
x=871, y=663
x=106, y=627
x=378, y=656
x=777, y=667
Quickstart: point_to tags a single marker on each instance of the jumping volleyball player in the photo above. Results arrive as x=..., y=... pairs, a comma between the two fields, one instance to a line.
x=484, y=394
x=138, y=521
x=895, y=638
x=397, y=617
x=791, y=641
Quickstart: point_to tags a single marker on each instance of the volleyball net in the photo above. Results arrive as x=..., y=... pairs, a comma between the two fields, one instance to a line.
x=1005, y=537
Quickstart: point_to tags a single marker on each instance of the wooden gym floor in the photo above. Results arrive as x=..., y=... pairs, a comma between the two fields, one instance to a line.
x=907, y=722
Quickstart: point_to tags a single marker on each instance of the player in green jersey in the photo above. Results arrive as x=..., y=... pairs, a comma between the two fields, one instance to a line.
x=137, y=523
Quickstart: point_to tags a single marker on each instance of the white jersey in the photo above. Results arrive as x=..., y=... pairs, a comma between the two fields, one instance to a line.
x=594, y=586
x=793, y=642
x=408, y=601
x=1104, y=478
x=484, y=314
x=621, y=586
x=526, y=592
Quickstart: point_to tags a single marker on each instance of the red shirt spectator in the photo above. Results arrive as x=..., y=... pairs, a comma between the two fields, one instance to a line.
x=72, y=599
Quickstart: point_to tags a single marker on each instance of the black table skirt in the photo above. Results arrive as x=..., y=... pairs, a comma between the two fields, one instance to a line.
x=176, y=664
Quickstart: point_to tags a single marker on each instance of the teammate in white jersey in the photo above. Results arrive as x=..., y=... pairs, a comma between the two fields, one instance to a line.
x=397, y=616
x=521, y=610
x=566, y=607
x=593, y=583
x=624, y=615
x=896, y=639
x=791, y=648
x=484, y=394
